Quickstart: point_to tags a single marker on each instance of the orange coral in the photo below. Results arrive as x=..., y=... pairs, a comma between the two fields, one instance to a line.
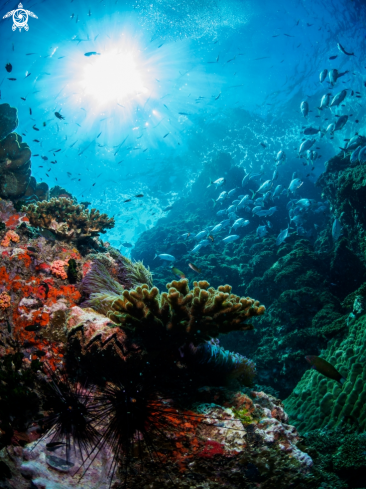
x=4, y=300
x=57, y=268
x=10, y=236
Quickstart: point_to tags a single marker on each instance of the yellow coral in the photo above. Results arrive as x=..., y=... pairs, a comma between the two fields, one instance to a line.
x=180, y=315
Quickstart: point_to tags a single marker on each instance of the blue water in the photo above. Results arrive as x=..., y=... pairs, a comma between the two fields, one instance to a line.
x=222, y=63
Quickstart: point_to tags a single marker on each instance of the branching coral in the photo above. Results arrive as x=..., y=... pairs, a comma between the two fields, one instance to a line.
x=69, y=221
x=179, y=316
x=10, y=236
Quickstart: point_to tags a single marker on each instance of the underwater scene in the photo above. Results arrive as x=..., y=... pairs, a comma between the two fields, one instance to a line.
x=182, y=244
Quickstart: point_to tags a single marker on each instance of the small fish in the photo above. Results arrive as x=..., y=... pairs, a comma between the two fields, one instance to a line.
x=218, y=183
x=35, y=128
x=323, y=75
x=342, y=50
x=91, y=53
x=325, y=368
x=304, y=107
x=8, y=67
x=32, y=249
x=59, y=116
x=282, y=236
x=177, y=272
x=12, y=79
x=33, y=327
x=47, y=234
x=127, y=245
x=167, y=134
x=333, y=57
x=230, y=239
x=194, y=268
x=139, y=195
x=165, y=256
x=336, y=230
x=310, y=131
x=128, y=200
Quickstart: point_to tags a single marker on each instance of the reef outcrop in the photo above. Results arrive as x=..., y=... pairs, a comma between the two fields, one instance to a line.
x=67, y=220
x=15, y=161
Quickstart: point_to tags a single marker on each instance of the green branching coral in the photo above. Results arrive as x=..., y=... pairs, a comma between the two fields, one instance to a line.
x=180, y=315
x=69, y=221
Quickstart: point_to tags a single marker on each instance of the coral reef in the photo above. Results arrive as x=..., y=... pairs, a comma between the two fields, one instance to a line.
x=68, y=221
x=16, y=181
x=14, y=166
x=8, y=120
x=161, y=344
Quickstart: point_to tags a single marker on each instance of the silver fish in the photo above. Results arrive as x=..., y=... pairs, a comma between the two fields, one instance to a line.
x=336, y=230
x=305, y=145
x=323, y=75
x=338, y=99
x=295, y=184
x=282, y=236
x=262, y=231
x=341, y=121
x=304, y=107
x=230, y=239
x=354, y=156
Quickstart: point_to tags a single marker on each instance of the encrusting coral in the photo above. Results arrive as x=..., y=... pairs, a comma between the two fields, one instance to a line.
x=10, y=236
x=57, y=268
x=68, y=221
x=5, y=300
